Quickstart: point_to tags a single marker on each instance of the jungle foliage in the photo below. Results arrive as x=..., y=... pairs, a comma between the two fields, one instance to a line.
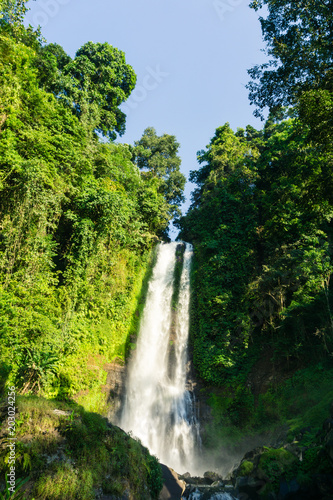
x=78, y=219
x=157, y=157
x=261, y=215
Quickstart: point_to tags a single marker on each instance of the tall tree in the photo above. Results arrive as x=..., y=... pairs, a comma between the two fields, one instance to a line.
x=94, y=84
x=158, y=157
x=299, y=38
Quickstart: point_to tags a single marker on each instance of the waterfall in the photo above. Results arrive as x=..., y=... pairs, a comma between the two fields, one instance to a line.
x=159, y=408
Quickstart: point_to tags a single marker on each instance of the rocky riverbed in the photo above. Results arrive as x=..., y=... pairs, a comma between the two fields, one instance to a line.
x=301, y=469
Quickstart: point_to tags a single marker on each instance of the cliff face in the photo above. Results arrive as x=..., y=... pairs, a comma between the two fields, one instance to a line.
x=115, y=388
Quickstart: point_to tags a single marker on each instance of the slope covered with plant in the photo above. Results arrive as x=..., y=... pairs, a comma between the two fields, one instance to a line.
x=78, y=220
x=63, y=451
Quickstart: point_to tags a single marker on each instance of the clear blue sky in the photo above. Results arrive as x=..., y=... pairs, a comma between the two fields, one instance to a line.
x=191, y=58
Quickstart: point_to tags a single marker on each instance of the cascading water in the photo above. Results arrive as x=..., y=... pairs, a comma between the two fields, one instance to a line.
x=158, y=408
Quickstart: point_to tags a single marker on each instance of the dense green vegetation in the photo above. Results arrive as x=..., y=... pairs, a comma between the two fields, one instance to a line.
x=78, y=222
x=261, y=224
x=260, y=221
x=80, y=215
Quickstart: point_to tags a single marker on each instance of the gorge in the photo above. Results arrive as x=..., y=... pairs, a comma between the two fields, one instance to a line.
x=92, y=289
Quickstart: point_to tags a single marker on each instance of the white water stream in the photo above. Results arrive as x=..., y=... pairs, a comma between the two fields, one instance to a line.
x=158, y=408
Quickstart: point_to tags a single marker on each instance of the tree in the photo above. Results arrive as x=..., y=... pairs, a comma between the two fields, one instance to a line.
x=50, y=62
x=12, y=14
x=94, y=84
x=299, y=38
x=12, y=11
x=222, y=156
x=157, y=157
x=222, y=222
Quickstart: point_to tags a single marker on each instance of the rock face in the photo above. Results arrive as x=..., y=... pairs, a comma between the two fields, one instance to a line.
x=201, y=396
x=115, y=388
x=173, y=486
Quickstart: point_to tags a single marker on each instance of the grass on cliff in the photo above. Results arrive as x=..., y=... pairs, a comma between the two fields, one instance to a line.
x=67, y=452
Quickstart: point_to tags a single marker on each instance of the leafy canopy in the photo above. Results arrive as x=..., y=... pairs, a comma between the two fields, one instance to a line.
x=12, y=11
x=158, y=157
x=299, y=41
x=77, y=219
x=94, y=84
x=260, y=222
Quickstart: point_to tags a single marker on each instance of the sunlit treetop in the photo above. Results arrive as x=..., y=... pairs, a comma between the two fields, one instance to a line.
x=299, y=43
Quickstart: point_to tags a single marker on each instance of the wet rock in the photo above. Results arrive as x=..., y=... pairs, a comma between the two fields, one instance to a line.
x=295, y=450
x=188, y=491
x=195, y=480
x=199, y=492
x=185, y=476
x=173, y=486
x=212, y=476
x=115, y=387
x=250, y=486
x=217, y=484
x=287, y=487
x=244, y=481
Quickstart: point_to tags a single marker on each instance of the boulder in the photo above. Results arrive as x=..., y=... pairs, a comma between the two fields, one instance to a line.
x=195, y=480
x=287, y=487
x=173, y=487
x=249, y=485
x=212, y=476
x=188, y=491
x=217, y=484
